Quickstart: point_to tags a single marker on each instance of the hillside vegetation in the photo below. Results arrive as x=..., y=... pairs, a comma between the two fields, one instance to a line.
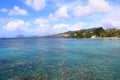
x=93, y=32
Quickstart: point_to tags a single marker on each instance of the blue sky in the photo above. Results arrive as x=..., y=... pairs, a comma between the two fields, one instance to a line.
x=45, y=17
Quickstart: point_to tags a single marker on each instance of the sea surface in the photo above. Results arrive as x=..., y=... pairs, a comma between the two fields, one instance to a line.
x=60, y=58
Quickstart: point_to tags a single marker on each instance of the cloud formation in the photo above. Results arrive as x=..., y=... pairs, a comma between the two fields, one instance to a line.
x=17, y=11
x=93, y=7
x=112, y=20
x=4, y=10
x=61, y=13
x=16, y=25
x=42, y=24
x=36, y=4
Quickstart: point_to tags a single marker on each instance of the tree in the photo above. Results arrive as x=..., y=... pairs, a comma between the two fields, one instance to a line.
x=99, y=31
x=79, y=34
x=88, y=35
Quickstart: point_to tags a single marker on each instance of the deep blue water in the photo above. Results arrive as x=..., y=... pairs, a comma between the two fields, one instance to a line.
x=60, y=58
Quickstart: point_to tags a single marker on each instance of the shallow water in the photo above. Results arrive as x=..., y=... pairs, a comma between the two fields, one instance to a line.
x=60, y=58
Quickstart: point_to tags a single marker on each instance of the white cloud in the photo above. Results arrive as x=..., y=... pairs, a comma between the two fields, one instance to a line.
x=43, y=27
x=17, y=11
x=5, y=20
x=59, y=28
x=109, y=20
x=16, y=25
x=59, y=14
x=112, y=20
x=4, y=10
x=42, y=24
x=93, y=7
x=79, y=25
x=41, y=21
x=36, y=4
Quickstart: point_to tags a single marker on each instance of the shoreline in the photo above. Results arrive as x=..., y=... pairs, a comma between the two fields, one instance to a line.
x=106, y=38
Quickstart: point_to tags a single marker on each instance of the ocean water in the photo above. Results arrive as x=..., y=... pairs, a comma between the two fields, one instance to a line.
x=60, y=58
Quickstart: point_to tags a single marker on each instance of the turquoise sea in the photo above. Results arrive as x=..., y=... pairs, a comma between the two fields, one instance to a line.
x=60, y=58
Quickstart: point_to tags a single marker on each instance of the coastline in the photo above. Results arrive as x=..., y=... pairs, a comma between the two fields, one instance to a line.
x=106, y=38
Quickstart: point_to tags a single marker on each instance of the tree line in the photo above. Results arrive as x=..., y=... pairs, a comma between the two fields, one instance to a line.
x=96, y=32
